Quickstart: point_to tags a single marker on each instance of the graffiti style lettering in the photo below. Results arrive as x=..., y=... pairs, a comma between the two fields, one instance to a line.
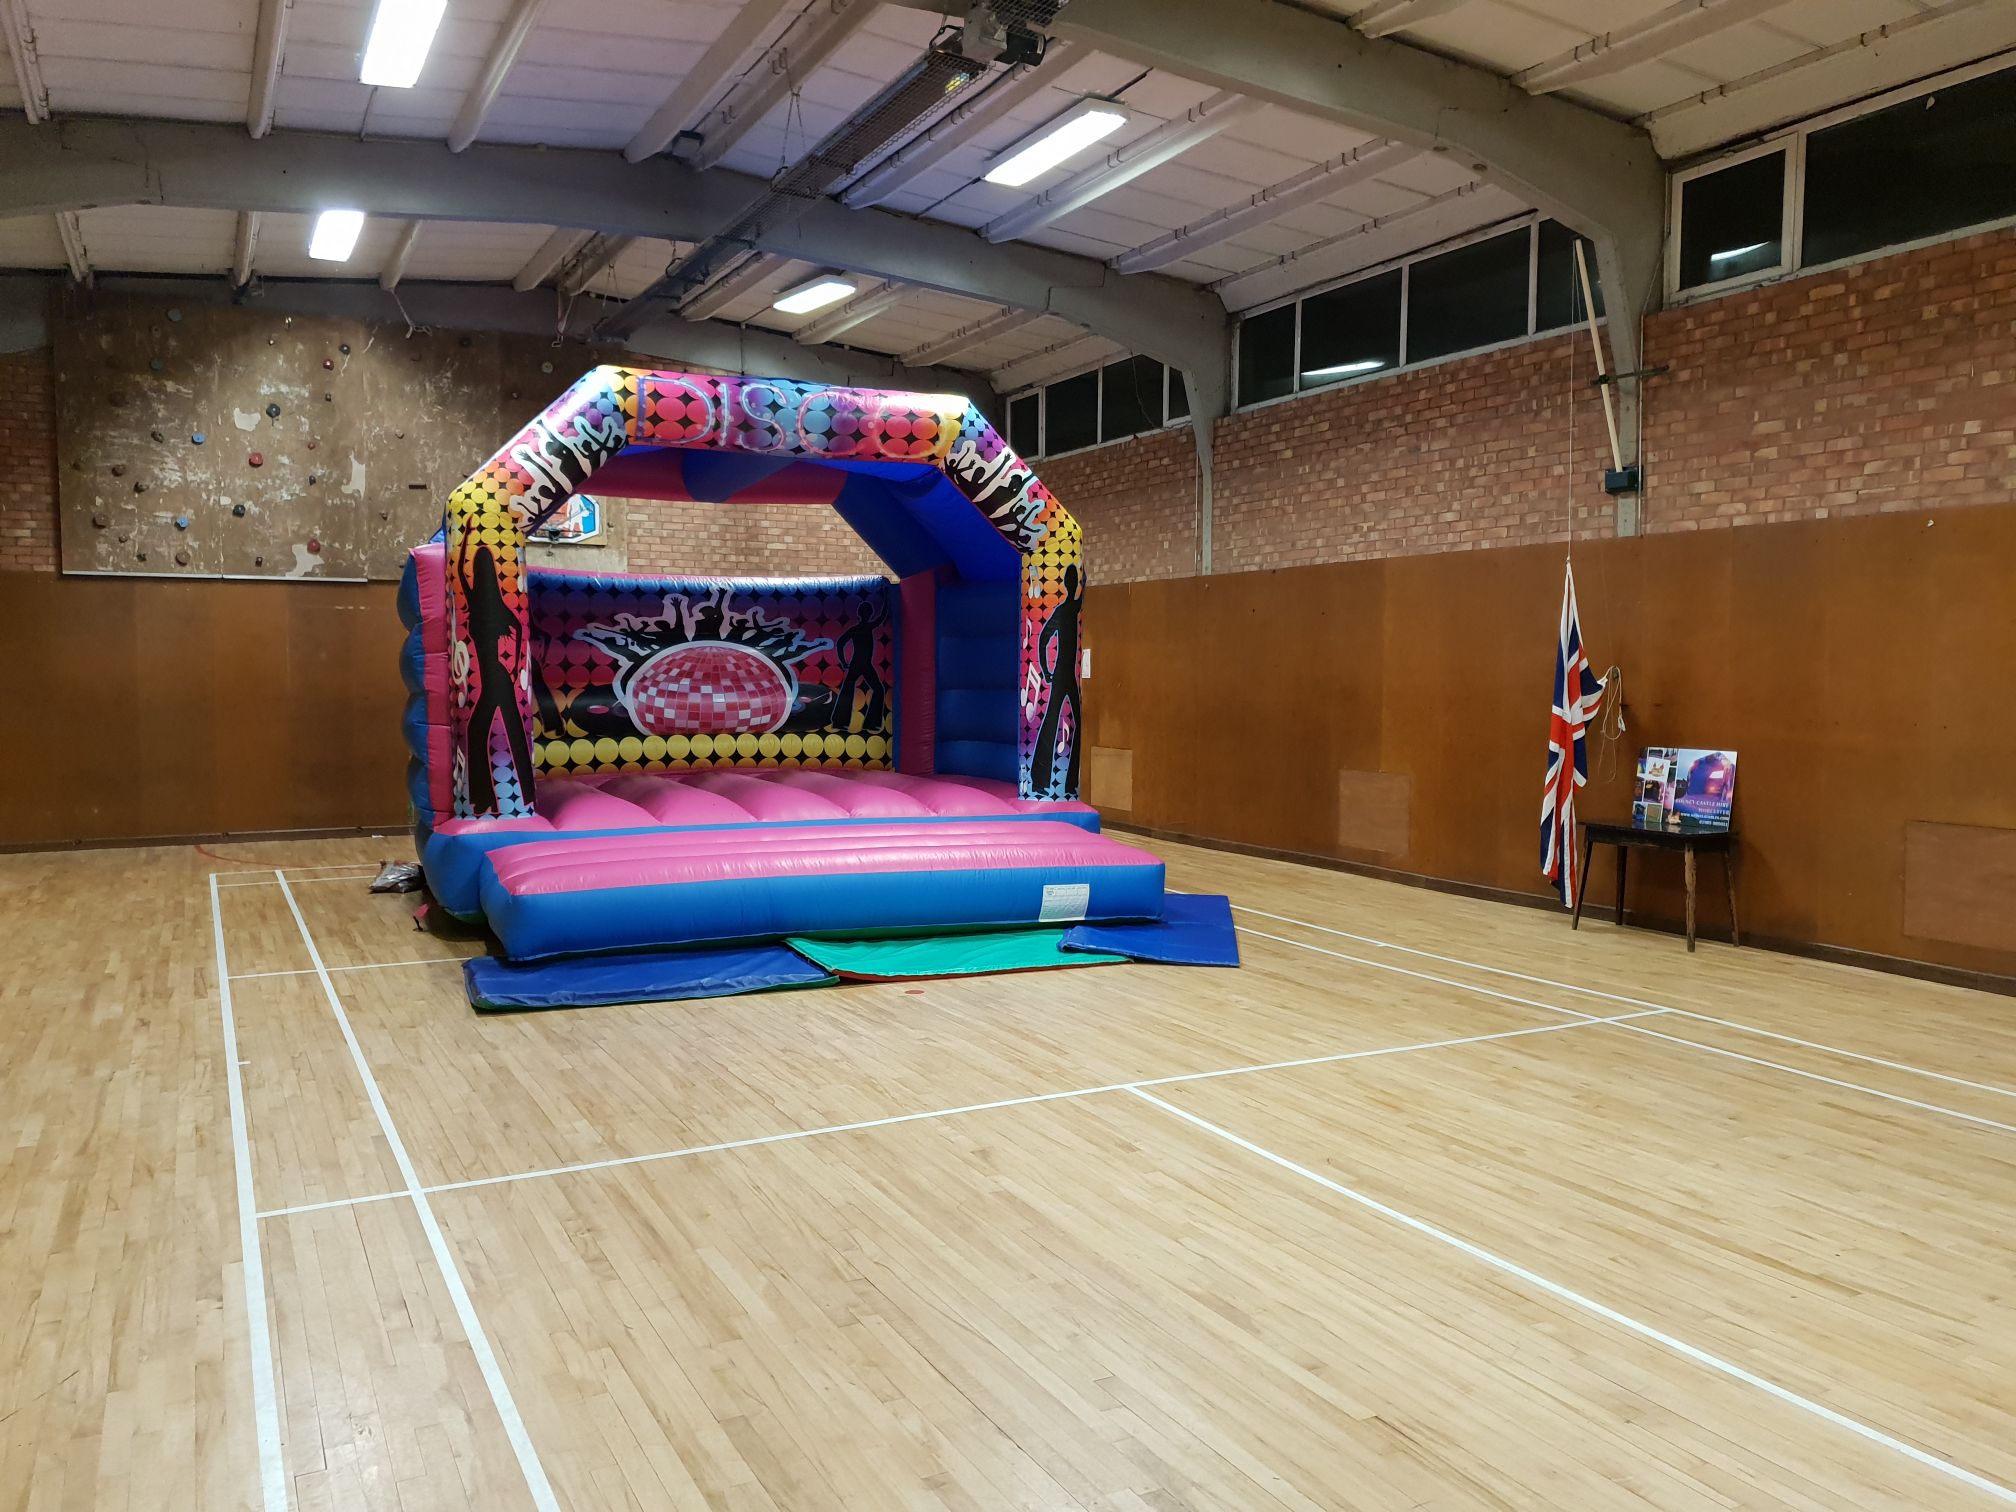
x=1002, y=485
x=763, y=432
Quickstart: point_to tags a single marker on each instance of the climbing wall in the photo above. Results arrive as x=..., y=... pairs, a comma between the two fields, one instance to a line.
x=210, y=440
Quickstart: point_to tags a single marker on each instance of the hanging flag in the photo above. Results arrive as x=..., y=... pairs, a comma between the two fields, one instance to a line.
x=1577, y=691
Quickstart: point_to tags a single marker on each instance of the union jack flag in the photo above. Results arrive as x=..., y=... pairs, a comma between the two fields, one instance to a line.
x=1576, y=692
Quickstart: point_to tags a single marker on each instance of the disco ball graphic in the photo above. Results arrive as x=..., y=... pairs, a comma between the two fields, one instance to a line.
x=709, y=688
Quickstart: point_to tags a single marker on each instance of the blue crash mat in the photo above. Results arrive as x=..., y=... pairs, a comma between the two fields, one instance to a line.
x=639, y=977
x=1195, y=930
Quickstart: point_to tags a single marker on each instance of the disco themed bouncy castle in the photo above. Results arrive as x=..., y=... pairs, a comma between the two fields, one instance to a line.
x=621, y=763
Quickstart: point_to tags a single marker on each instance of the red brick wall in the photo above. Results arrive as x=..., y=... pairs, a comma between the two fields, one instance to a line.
x=1138, y=504
x=27, y=463
x=1887, y=386
x=745, y=540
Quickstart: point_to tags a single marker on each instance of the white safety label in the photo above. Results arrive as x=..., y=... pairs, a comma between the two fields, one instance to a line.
x=1065, y=900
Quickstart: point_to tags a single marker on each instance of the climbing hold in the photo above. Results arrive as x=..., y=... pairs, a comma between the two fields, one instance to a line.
x=257, y=459
x=311, y=480
x=118, y=469
x=384, y=514
x=99, y=521
x=344, y=349
x=124, y=538
x=514, y=393
x=157, y=435
x=314, y=545
x=399, y=435
x=258, y=561
x=141, y=554
x=328, y=363
x=311, y=445
x=196, y=439
x=138, y=486
x=327, y=396
x=545, y=367
x=155, y=365
x=174, y=314
x=272, y=341
x=238, y=511
x=272, y=412
x=181, y=522
x=182, y=558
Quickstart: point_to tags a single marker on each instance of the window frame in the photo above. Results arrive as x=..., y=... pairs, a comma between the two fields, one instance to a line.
x=1791, y=139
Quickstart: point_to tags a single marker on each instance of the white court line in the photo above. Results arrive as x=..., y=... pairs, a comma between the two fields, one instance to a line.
x=1590, y=1305
x=902, y=1118
x=1581, y=1017
x=247, y=976
x=264, y=873
x=259, y=1339
x=1614, y=997
x=363, y=876
x=451, y=1275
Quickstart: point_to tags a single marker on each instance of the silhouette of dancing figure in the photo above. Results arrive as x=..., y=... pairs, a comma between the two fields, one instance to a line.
x=1061, y=672
x=491, y=625
x=857, y=671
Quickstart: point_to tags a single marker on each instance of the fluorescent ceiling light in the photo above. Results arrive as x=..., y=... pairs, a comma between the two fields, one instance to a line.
x=401, y=33
x=1345, y=369
x=335, y=235
x=814, y=294
x=1071, y=133
x=1737, y=252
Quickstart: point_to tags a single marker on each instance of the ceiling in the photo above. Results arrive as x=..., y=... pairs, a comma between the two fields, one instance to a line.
x=1695, y=74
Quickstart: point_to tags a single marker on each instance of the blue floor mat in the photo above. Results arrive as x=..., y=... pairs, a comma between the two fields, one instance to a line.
x=1195, y=930
x=641, y=977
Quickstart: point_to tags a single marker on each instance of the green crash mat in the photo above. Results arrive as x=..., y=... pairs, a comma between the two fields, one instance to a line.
x=946, y=955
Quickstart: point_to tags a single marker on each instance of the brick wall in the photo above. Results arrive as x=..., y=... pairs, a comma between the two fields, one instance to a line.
x=27, y=463
x=1887, y=386
x=748, y=540
x=1138, y=504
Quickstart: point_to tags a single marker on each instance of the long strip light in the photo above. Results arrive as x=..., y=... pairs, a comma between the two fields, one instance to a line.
x=1088, y=121
x=814, y=294
x=1346, y=369
x=335, y=235
x=401, y=33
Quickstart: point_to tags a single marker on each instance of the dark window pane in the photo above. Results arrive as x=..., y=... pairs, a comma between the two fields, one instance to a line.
x=1073, y=414
x=1558, y=298
x=1351, y=331
x=1179, y=396
x=1267, y=355
x=1024, y=432
x=1471, y=297
x=1131, y=400
x=1730, y=222
x=1933, y=164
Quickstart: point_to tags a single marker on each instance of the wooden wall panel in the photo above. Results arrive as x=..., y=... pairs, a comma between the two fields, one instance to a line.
x=161, y=708
x=1859, y=667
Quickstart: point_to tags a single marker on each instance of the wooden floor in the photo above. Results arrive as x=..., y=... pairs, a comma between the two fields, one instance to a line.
x=1527, y=1219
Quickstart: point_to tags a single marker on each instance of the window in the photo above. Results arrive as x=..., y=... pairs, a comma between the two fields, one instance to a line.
x=1472, y=297
x=1267, y=355
x=1130, y=397
x=1025, y=424
x=1732, y=221
x=1557, y=290
x=1919, y=168
x=1351, y=331
x=1179, y=397
x=1073, y=414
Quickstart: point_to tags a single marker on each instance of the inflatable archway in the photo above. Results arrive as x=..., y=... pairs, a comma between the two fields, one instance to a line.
x=986, y=559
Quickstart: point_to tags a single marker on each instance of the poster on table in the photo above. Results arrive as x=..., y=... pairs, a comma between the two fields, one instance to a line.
x=1680, y=787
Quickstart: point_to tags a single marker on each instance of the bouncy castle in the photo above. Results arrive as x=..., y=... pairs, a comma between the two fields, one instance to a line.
x=614, y=763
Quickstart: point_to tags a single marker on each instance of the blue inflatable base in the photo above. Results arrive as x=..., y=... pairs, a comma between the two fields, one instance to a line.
x=643, y=977
x=1195, y=930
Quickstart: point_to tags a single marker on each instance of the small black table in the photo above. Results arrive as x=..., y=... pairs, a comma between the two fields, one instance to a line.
x=1652, y=837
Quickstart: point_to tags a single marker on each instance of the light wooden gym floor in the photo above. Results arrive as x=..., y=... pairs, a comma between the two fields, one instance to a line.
x=1527, y=1220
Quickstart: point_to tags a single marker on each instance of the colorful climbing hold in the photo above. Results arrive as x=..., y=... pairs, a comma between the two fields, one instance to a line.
x=182, y=558
x=257, y=459
x=154, y=365
x=314, y=545
x=138, y=486
x=272, y=412
x=344, y=349
x=181, y=522
x=174, y=314
x=328, y=363
x=238, y=510
x=197, y=438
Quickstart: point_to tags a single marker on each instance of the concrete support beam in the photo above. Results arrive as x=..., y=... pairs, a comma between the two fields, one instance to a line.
x=1611, y=52
x=725, y=58
x=808, y=42
x=74, y=164
x=496, y=68
x=978, y=333
x=848, y=314
x=590, y=262
x=715, y=297
x=71, y=231
x=1399, y=15
x=545, y=262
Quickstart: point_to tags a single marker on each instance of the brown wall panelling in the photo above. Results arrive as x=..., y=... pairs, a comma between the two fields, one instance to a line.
x=165, y=708
x=1843, y=660
x=1960, y=884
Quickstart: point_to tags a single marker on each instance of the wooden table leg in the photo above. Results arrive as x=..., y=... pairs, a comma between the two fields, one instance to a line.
x=1623, y=857
x=1687, y=851
x=1583, y=891
x=1729, y=876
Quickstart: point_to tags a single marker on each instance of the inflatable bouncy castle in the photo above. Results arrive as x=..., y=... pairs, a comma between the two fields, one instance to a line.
x=622, y=763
